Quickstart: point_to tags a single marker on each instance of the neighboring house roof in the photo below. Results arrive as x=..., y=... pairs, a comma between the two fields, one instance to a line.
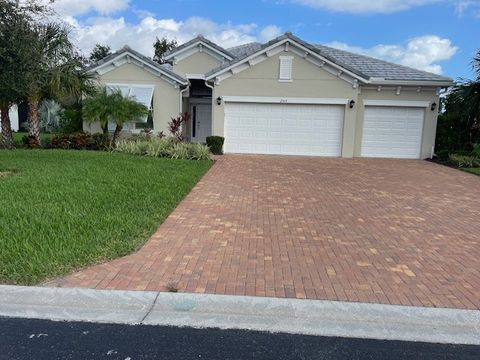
x=126, y=50
x=200, y=39
x=367, y=69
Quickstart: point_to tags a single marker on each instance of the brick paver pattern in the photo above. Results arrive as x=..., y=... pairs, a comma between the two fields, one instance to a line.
x=370, y=230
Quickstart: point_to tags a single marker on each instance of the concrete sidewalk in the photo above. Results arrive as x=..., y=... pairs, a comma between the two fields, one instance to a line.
x=309, y=317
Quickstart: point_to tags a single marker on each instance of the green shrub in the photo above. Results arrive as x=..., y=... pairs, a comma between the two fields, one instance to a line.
x=71, y=119
x=476, y=151
x=99, y=141
x=464, y=161
x=80, y=141
x=164, y=147
x=215, y=143
x=442, y=154
x=29, y=142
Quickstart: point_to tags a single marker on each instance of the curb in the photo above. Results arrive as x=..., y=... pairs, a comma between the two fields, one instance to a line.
x=308, y=317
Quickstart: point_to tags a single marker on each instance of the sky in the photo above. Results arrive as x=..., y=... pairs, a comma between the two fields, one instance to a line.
x=439, y=36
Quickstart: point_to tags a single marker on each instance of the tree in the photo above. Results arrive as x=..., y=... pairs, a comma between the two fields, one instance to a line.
x=15, y=23
x=161, y=46
x=54, y=70
x=459, y=126
x=99, y=107
x=99, y=52
x=108, y=105
x=126, y=109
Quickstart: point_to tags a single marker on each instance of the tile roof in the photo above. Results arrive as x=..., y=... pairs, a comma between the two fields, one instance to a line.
x=195, y=40
x=127, y=49
x=363, y=66
x=375, y=68
x=245, y=49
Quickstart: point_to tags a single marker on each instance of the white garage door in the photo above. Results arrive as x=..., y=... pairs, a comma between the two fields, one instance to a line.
x=392, y=132
x=286, y=129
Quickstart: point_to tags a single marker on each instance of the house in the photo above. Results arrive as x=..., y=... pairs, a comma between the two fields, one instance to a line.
x=284, y=97
x=13, y=114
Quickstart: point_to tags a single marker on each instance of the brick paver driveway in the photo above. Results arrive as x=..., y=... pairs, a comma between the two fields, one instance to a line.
x=385, y=231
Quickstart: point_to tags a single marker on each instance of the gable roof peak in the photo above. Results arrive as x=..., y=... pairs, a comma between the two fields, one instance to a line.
x=193, y=42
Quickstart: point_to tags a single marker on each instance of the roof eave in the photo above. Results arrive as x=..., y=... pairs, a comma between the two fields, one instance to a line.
x=433, y=83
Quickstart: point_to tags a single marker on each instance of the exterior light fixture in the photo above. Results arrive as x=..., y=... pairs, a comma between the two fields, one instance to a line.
x=219, y=101
x=351, y=104
x=433, y=106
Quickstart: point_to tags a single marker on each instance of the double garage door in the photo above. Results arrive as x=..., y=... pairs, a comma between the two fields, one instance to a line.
x=286, y=129
x=317, y=130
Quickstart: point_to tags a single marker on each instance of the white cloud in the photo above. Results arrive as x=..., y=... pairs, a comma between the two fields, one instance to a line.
x=269, y=32
x=472, y=7
x=117, y=32
x=80, y=7
x=424, y=52
x=365, y=6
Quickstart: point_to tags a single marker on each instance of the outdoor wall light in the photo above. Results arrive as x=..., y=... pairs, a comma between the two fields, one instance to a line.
x=351, y=104
x=433, y=106
x=219, y=101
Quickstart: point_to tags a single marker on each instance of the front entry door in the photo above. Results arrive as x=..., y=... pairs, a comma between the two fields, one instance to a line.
x=201, y=122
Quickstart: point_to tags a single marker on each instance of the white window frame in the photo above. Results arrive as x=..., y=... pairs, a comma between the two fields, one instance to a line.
x=288, y=61
x=131, y=126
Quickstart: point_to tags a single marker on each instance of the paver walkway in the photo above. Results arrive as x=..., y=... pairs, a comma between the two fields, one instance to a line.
x=384, y=231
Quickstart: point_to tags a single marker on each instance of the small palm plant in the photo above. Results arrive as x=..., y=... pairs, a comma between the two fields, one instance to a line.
x=110, y=105
x=99, y=107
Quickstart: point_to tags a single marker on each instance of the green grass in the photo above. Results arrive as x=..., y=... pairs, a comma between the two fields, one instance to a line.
x=62, y=210
x=17, y=138
x=475, y=171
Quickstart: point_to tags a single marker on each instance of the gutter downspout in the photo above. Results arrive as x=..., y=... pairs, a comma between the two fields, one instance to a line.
x=181, y=96
x=213, y=105
x=181, y=102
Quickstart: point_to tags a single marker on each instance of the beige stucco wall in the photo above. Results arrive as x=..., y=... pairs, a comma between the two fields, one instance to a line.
x=198, y=63
x=309, y=81
x=406, y=94
x=166, y=98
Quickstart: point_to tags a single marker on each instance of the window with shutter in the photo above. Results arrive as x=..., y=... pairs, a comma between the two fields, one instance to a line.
x=285, y=68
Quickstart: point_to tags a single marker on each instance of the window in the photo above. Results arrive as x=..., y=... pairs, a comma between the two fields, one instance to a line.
x=142, y=93
x=285, y=73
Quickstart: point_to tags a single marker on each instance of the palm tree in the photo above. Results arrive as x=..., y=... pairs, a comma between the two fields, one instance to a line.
x=53, y=70
x=14, y=25
x=127, y=109
x=110, y=105
x=99, y=107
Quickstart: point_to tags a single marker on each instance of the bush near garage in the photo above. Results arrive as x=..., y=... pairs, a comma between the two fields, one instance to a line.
x=168, y=147
x=215, y=143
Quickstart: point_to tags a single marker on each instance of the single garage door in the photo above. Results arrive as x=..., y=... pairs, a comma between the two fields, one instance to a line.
x=286, y=129
x=392, y=132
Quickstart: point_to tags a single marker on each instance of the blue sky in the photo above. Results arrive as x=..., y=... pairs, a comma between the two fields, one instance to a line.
x=435, y=35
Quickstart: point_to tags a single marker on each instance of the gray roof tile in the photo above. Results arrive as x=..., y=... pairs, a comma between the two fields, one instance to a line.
x=361, y=65
x=376, y=68
x=245, y=49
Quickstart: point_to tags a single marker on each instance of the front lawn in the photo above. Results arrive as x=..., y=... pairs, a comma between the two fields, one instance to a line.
x=62, y=210
x=475, y=171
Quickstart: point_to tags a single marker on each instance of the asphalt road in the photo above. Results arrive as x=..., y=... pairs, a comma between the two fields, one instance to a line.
x=42, y=339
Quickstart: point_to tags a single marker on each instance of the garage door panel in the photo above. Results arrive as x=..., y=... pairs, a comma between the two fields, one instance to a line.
x=394, y=132
x=290, y=129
